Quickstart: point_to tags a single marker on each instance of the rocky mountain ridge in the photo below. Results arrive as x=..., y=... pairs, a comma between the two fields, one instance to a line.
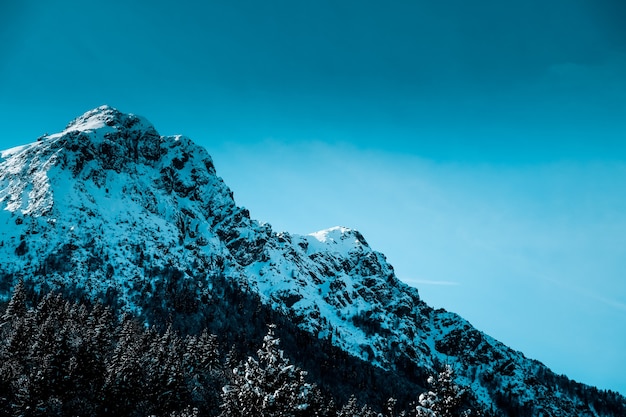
x=113, y=209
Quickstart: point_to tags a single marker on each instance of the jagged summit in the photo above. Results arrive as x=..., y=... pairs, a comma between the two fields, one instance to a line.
x=110, y=209
x=339, y=239
x=339, y=234
x=106, y=115
x=81, y=205
x=113, y=136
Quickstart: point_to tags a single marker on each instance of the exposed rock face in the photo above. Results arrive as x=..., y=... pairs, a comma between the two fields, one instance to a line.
x=112, y=208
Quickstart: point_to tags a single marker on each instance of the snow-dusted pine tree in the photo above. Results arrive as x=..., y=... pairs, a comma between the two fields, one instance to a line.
x=17, y=304
x=268, y=386
x=445, y=399
x=352, y=409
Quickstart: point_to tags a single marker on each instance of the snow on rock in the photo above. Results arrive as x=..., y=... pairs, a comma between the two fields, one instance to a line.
x=337, y=239
x=112, y=208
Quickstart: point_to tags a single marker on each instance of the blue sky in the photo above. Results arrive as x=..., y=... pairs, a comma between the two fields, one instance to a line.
x=480, y=145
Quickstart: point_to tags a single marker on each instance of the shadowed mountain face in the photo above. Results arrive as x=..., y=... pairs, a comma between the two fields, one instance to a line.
x=109, y=209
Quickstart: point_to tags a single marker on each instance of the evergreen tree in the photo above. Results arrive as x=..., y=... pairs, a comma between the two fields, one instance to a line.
x=164, y=374
x=17, y=304
x=352, y=409
x=268, y=386
x=445, y=399
x=349, y=409
x=201, y=361
x=123, y=384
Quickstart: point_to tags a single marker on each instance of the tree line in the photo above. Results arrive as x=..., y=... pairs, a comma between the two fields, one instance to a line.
x=65, y=358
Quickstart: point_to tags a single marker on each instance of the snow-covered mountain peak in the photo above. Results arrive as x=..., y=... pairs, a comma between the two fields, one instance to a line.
x=335, y=234
x=337, y=239
x=107, y=116
x=110, y=209
x=94, y=119
x=106, y=133
x=110, y=188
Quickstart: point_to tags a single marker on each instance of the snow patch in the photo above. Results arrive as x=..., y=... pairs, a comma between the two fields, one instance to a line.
x=336, y=239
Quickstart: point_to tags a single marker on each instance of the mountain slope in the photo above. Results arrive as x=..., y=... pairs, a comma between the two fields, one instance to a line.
x=110, y=208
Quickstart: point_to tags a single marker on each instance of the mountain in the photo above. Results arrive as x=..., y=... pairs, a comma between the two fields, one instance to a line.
x=108, y=209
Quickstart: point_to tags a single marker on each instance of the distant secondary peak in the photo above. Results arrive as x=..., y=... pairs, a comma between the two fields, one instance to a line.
x=332, y=234
x=342, y=236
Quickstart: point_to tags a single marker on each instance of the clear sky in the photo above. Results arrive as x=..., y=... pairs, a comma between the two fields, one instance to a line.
x=480, y=145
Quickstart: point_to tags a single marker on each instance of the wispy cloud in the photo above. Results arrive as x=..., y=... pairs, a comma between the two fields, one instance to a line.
x=432, y=282
x=589, y=294
x=608, y=301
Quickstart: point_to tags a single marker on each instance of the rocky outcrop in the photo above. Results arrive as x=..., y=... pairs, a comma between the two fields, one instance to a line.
x=112, y=208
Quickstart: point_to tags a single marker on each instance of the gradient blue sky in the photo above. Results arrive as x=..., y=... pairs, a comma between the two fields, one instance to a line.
x=480, y=145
